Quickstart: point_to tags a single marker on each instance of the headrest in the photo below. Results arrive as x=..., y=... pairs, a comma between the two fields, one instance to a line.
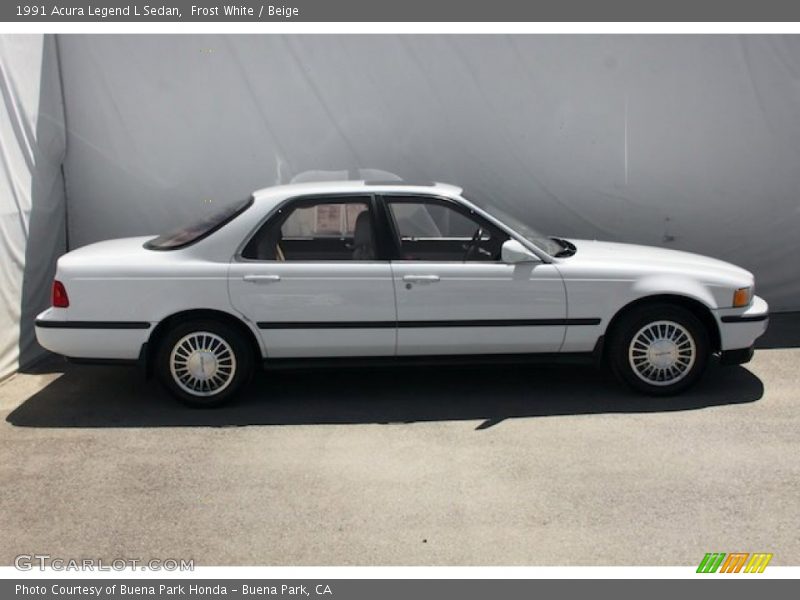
x=362, y=232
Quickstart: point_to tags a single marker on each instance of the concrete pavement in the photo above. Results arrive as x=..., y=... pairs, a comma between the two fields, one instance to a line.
x=502, y=466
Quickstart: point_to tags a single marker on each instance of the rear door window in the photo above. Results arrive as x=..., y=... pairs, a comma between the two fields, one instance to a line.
x=319, y=229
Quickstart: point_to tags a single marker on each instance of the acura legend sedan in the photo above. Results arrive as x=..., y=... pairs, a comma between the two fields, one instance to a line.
x=320, y=273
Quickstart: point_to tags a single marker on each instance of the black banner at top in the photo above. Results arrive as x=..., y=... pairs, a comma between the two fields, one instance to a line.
x=401, y=10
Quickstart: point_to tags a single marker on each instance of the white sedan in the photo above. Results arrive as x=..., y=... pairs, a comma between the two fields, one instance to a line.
x=392, y=272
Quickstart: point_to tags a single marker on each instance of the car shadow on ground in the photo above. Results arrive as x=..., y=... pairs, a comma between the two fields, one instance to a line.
x=86, y=396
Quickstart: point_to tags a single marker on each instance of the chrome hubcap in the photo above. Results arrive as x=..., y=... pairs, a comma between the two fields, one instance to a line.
x=662, y=353
x=202, y=363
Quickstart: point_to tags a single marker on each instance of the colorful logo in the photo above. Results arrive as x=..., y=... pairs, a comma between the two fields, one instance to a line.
x=734, y=563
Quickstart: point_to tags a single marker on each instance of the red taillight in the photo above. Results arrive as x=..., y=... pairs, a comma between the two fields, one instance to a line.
x=59, y=296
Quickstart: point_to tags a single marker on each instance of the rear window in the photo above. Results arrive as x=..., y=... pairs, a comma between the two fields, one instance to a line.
x=208, y=224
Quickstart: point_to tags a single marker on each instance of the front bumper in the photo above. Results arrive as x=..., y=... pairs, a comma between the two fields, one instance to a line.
x=739, y=328
x=736, y=357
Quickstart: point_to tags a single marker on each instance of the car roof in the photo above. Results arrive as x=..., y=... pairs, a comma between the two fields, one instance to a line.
x=354, y=187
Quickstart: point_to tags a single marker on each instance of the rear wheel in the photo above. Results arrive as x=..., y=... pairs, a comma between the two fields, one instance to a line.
x=204, y=363
x=659, y=349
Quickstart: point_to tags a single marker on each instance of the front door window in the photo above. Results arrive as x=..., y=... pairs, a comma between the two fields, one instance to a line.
x=435, y=230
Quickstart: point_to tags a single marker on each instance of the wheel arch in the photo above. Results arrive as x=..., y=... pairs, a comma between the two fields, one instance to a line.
x=150, y=348
x=699, y=309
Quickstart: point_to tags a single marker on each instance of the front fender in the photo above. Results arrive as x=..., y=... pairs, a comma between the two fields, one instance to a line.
x=674, y=285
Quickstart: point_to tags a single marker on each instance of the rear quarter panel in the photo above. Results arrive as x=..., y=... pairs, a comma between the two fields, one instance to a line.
x=147, y=291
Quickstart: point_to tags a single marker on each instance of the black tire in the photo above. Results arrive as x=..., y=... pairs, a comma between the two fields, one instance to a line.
x=183, y=367
x=664, y=366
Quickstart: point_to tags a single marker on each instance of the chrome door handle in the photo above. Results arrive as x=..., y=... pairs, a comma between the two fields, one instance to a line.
x=261, y=278
x=421, y=278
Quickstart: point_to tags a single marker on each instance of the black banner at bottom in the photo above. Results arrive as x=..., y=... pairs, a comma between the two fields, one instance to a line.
x=395, y=589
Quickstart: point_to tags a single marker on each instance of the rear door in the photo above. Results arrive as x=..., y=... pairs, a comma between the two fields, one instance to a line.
x=314, y=281
x=455, y=296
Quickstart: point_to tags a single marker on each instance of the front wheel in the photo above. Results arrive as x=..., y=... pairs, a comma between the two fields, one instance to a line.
x=204, y=363
x=660, y=350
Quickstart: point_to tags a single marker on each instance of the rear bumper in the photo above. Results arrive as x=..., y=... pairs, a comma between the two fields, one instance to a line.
x=739, y=328
x=107, y=340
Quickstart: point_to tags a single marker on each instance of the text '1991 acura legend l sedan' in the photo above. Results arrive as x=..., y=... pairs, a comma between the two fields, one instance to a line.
x=321, y=272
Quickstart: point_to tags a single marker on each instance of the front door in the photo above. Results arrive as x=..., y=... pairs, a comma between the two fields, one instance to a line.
x=311, y=280
x=454, y=294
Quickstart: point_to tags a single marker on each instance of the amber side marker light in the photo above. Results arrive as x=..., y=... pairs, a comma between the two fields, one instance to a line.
x=742, y=297
x=59, y=296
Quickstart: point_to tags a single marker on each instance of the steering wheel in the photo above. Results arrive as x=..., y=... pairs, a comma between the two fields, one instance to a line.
x=470, y=246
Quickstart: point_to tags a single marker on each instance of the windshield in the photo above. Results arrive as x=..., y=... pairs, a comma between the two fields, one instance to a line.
x=541, y=241
x=206, y=225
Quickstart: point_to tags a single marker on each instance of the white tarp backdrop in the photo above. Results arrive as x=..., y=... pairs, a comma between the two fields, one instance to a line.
x=688, y=142
x=31, y=189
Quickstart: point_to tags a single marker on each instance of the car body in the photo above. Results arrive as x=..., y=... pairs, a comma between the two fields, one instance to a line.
x=313, y=272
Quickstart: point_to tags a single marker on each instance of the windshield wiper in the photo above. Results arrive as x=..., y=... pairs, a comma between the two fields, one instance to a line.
x=568, y=248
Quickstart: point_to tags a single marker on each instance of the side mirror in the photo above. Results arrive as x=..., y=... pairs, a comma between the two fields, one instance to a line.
x=514, y=252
